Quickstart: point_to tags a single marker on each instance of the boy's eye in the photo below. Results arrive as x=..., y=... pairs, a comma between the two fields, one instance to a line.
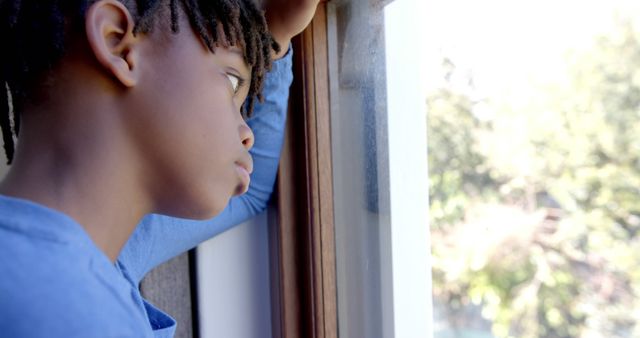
x=236, y=82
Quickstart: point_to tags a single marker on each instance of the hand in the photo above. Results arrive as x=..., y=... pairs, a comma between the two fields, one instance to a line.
x=288, y=18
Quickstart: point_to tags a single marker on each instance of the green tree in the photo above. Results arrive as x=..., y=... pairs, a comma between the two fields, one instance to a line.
x=535, y=211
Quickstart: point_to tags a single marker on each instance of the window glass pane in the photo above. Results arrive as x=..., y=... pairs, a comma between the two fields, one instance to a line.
x=534, y=162
x=358, y=114
x=378, y=118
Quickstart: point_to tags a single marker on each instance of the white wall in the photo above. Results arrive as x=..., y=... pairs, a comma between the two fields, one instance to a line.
x=233, y=283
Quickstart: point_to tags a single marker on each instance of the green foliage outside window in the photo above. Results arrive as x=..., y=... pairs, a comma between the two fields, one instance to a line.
x=535, y=209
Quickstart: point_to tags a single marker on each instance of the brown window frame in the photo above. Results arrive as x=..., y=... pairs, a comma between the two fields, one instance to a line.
x=303, y=273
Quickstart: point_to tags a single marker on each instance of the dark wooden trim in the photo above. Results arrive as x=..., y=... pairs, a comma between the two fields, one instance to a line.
x=304, y=261
x=193, y=284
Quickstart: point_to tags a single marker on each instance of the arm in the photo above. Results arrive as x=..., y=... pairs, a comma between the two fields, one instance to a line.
x=159, y=238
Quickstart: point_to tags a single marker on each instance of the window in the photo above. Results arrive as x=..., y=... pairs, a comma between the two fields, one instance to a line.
x=379, y=169
x=534, y=167
x=353, y=235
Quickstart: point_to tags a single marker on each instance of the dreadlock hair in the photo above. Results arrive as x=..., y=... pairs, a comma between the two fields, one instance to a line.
x=35, y=33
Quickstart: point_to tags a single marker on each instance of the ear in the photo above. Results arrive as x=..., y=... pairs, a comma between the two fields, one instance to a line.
x=109, y=27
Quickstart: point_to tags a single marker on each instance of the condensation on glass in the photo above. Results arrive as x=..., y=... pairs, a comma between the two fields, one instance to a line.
x=360, y=164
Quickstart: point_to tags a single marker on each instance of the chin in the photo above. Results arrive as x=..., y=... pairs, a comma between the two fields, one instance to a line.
x=197, y=202
x=198, y=208
x=205, y=213
x=212, y=208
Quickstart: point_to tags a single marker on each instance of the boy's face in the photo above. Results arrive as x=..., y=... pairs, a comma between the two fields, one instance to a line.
x=185, y=117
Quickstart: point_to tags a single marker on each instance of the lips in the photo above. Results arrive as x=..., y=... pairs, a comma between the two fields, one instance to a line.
x=244, y=171
x=247, y=166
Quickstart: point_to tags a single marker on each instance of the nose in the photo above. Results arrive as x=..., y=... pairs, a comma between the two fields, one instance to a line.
x=246, y=135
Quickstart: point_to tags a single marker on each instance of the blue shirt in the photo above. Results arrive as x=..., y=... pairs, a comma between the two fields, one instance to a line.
x=57, y=283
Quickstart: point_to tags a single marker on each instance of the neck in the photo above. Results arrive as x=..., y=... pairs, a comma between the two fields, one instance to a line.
x=65, y=163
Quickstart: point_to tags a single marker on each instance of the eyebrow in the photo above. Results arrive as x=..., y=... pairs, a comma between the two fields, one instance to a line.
x=237, y=51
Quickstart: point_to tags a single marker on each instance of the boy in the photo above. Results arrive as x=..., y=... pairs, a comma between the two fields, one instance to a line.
x=127, y=108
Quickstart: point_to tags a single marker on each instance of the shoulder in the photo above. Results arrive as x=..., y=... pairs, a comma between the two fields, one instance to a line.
x=52, y=289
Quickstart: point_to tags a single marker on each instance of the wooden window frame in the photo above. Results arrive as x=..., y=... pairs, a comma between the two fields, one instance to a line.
x=302, y=242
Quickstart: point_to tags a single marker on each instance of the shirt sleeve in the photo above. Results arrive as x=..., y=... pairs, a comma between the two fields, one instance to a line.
x=159, y=238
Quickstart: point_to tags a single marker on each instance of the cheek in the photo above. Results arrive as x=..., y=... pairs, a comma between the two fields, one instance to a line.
x=208, y=143
x=193, y=107
x=196, y=166
x=211, y=178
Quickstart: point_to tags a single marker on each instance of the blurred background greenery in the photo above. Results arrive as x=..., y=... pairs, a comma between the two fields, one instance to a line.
x=535, y=201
